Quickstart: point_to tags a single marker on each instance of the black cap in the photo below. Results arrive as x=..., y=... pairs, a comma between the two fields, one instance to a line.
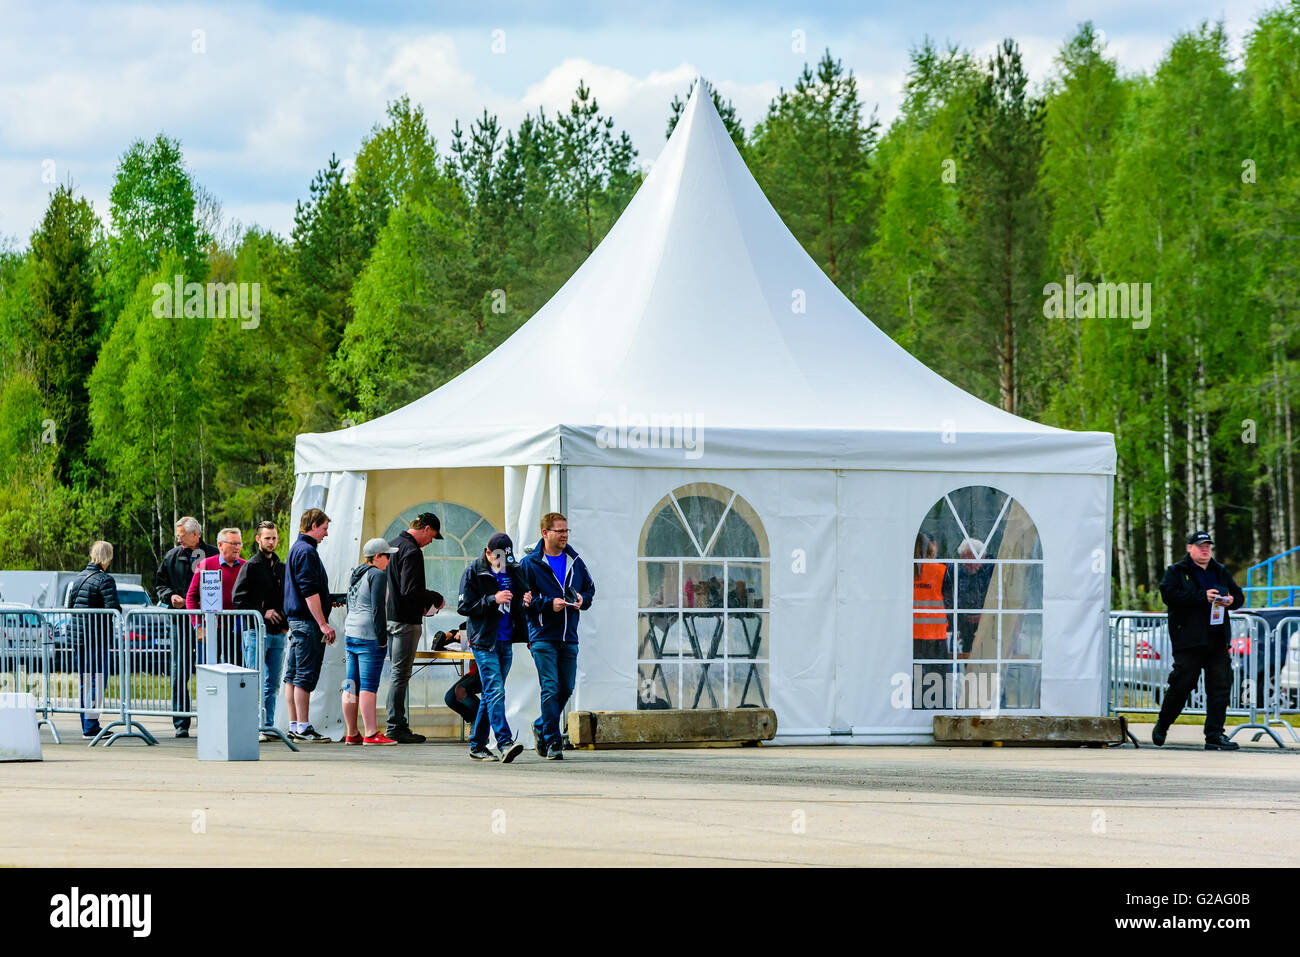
x=429, y=520
x=501, y=542
x=1200, y=538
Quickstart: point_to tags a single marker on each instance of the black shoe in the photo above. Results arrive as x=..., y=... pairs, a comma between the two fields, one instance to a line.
x=311, y=736
x=1220, y=742
x=92, y=733
x=407, y=737
x=182, y=732
x=510, y=752
x=1158, y=736
x=539, y=743
x=480, y=754
x=555, y=754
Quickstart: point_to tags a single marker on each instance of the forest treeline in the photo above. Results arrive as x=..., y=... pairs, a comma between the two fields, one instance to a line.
x=1101, y=250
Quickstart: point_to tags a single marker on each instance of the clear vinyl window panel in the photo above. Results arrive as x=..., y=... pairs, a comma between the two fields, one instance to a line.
x=465, y=534
x=977, y=605
x=703, y=600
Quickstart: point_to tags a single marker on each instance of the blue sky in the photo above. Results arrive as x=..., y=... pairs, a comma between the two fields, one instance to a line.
x=264, y=94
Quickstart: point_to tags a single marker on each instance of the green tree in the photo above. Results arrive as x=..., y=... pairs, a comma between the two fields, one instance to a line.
x=152, y=205
x=66, y=328
x=810, y=154
x=596, y=167
x=146, y=401
x=916, y=165
x=397, y=163
x=994, y=262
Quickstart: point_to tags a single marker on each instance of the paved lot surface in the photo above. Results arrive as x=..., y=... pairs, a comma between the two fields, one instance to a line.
x=132, y=805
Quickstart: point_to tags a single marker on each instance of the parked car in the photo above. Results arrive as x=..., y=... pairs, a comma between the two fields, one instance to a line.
x=24, y=635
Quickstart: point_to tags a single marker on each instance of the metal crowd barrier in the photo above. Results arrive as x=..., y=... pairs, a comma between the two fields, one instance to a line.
x=96, y=661
x=1286, y=692
x=166, y=645
x=1141, y=658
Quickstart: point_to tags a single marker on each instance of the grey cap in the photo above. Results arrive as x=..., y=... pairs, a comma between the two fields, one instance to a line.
x=377, y=546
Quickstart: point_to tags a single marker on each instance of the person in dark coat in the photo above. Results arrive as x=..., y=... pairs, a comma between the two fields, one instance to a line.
x=492, y=598
x=1198, y=592
x=260, y=588
x=93, y=588
x=171, y=582
x=409, y=601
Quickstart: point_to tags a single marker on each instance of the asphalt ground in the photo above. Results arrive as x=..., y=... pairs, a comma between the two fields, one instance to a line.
x=429, y=805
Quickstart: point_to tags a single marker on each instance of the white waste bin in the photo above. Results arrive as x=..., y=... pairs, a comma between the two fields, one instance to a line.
x=20, y=739
x=227, y=711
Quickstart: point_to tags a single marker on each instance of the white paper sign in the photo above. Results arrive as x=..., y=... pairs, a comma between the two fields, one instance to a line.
x=210, y=590
x=1216, y=614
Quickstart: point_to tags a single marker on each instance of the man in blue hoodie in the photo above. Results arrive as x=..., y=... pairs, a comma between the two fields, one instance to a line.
x=560, y=588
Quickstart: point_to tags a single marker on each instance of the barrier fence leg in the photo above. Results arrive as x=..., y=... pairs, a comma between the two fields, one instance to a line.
x=1252, y=673
x=46, y=680
x=266, y=726
x=133, y=728
x=1127, y=734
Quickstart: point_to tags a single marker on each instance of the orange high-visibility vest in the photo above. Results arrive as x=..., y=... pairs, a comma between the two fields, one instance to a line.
x=927, y=593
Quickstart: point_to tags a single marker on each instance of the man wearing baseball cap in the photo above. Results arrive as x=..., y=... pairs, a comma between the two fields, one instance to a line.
x=1198, y=592
x=409, y=601
x=492, y=599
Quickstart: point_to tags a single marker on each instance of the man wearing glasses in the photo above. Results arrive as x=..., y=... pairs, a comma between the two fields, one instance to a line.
x=560, y=587
x=229, y=646
x=1198, y=592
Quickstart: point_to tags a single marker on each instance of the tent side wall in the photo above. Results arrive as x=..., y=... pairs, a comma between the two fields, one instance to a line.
x=840, y=547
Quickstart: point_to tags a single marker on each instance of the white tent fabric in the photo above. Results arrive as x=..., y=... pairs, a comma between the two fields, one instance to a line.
x=698, y=269
x=700, y=344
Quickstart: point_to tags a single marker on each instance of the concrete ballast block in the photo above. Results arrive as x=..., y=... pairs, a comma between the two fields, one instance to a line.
x=706, y=727
x=1027, y=729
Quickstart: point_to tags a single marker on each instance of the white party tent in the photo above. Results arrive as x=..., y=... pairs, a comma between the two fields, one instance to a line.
x=750, y=470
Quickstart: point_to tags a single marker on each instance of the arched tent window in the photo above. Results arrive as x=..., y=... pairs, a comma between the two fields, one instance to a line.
x=703, y=573
x=465, y=534
x=977, y=615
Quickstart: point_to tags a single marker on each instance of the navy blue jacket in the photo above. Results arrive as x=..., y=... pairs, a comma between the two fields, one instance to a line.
x=305, y=576
x=544, y=622
x=477, y=602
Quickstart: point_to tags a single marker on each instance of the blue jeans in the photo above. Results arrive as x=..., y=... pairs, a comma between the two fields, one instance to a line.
x=557, y=668
x=274, y=661
x=365, y=664
x=493, y=666
x=91, y=660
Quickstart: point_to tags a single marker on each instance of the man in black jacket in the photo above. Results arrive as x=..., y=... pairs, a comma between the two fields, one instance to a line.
x=260, y=588
x=1198, y=592
x=171, y=582
x=409, y=601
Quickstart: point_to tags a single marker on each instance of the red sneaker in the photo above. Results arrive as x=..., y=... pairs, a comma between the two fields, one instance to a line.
x=354, y=738
x=379, y=738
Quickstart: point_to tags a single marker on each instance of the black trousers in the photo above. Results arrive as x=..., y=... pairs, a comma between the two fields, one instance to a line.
x=1188, y=665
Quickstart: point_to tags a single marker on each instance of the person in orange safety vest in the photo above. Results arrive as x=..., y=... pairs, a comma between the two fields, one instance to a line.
x=931, y=603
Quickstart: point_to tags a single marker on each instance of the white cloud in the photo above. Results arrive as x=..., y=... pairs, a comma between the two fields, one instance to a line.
x=276, y=92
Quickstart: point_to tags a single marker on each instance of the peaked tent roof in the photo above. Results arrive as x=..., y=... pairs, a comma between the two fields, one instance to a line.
x=691, y=306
